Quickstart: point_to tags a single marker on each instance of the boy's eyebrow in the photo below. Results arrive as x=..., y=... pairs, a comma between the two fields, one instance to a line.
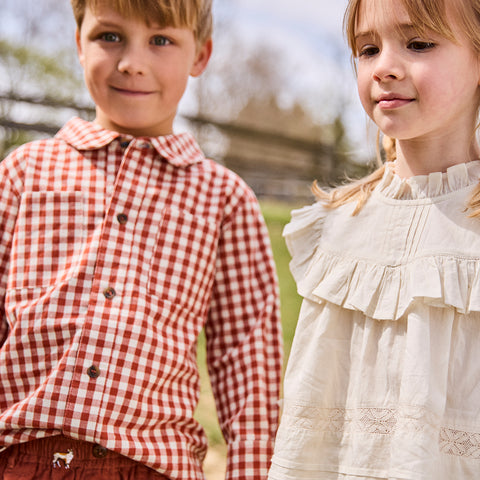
x=107, y=23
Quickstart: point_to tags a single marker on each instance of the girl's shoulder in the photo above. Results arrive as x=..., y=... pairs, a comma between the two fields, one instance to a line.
x=302, y=235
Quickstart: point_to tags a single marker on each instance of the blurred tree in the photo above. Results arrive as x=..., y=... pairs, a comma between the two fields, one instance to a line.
x=29, y=70
x=37, y=61
x=239, y=72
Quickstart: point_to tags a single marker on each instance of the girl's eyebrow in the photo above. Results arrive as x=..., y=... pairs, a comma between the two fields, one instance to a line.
x=401, y=27
x=367, y=33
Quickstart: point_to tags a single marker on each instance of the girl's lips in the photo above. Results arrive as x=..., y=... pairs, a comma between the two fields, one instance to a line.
x=388, y=102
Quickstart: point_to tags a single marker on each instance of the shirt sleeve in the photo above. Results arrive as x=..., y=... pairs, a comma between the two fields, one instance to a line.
x=9, y=201
x=244, y=343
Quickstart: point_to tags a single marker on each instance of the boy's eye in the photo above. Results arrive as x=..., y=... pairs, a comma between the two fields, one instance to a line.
x=160, y=40
x=418, y=45
x=110, y=37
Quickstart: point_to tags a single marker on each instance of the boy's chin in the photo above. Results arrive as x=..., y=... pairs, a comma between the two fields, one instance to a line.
x=136, y=129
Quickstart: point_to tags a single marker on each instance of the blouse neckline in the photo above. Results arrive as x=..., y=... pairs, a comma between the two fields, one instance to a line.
x=432, y=185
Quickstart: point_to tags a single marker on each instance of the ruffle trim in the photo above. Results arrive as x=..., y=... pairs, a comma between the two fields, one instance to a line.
x=385, y=292
x=302, y=235
x=382, y=292
x=433, y=185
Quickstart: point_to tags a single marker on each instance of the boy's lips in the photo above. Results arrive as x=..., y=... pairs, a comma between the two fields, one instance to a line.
x=388, y=101
x=132, y=91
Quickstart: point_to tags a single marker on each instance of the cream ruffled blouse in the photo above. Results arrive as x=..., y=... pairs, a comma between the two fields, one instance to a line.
x=383, y=380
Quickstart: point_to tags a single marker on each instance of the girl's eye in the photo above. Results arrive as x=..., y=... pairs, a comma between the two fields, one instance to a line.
x=418, y=45
x=368, y=51
x=160, y=40
x=110, y=37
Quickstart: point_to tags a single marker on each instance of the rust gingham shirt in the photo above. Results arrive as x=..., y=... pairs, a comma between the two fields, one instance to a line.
x=115, y=252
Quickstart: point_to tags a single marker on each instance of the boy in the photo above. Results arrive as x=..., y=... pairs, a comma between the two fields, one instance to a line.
x=119, y=243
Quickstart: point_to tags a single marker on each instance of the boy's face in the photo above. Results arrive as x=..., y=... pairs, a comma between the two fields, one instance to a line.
x=136, y=73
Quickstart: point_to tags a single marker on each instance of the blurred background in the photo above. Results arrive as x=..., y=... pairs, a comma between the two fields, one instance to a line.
x=277, y=104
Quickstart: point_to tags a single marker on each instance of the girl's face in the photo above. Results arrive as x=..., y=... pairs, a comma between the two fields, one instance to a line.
x=411, y=85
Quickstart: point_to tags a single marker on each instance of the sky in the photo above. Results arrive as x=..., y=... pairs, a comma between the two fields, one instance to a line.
x=309, y=32
x=309, y=15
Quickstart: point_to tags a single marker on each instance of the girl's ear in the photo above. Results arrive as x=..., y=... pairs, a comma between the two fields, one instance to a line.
x=202, y=58
x=79, y=47
x=478, y=67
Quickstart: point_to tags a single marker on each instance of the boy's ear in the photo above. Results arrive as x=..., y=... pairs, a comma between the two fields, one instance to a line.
x=202, y=57
x=79, y=46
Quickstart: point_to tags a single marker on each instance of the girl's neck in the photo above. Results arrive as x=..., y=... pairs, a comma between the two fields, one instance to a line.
x=415, y=157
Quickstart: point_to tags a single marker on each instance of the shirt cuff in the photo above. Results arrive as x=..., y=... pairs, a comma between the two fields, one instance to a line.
x=249, y=459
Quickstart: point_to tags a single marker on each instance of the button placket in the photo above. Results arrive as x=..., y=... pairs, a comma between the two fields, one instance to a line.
x=122, y=218
x=109, y=293
x=93, y=371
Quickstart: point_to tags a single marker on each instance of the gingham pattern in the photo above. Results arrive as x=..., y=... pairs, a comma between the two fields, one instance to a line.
x=115, y=252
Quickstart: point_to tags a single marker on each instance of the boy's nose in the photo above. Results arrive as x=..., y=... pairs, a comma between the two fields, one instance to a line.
x=131, y=62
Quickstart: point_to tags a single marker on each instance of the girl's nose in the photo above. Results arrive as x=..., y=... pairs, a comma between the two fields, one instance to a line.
x=388, y=66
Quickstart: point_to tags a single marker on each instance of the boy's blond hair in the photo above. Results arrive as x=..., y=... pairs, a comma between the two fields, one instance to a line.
x=425, y=15
x=193, y=14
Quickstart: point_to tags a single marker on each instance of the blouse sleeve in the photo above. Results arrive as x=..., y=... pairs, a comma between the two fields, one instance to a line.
x=302, y=236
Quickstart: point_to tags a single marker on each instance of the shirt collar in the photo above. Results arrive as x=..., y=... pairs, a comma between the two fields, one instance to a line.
x=178, y=149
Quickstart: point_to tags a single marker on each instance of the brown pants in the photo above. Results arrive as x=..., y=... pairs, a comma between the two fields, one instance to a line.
x=61, y=458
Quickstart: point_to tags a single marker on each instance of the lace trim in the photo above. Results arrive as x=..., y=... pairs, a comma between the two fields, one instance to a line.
x=381, y=421
x=459, y=443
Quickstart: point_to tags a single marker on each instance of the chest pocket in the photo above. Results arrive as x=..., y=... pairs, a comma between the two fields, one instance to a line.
x=49, y=237
x=183, y=261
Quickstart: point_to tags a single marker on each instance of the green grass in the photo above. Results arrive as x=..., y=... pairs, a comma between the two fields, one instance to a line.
x=277, y=215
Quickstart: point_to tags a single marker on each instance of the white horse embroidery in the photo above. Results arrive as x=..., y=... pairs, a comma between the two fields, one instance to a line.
x=66, y=457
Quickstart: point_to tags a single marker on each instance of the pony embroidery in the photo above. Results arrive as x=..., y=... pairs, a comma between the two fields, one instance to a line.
x=66, y=457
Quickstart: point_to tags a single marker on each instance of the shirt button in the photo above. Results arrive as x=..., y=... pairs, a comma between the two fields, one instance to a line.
x=99, y=451
x=124, y=144
x=93, y=371
x=109, y=293
x=122, y=218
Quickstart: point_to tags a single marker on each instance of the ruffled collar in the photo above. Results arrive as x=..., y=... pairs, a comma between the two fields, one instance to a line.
x=432, y=185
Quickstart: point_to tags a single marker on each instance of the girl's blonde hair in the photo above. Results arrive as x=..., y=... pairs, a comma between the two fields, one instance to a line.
x=425, y=15
x=193, y=14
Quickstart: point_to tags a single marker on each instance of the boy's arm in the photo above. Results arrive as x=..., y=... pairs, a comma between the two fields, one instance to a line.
x=244, y=344
x=8, y=215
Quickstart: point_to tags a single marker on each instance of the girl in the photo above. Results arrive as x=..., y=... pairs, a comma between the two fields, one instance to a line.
x=383, y=380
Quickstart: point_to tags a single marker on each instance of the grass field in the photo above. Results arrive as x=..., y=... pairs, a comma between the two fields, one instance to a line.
x=276, y=216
